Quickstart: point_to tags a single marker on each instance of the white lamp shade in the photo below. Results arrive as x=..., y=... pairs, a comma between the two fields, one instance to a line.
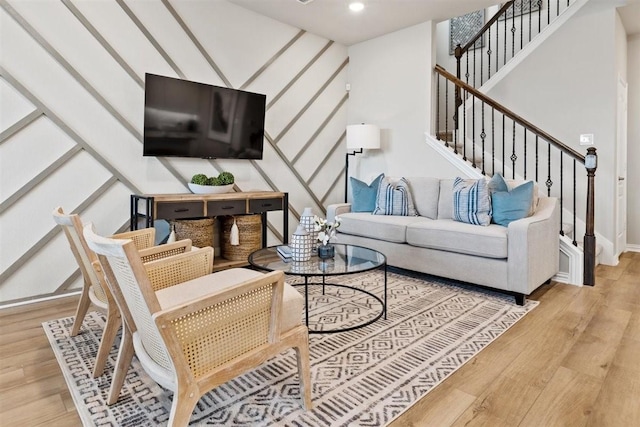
x=363, y=136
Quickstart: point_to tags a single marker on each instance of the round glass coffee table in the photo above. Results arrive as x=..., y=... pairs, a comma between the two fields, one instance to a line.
x=348, y=259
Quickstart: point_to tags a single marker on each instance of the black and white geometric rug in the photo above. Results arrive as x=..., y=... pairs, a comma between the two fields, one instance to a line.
x=365, y=377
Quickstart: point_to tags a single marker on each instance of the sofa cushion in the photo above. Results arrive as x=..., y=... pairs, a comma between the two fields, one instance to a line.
x=394, y=198
x=471, y=201
x=445, y=200
x=364, y=195
x=390, y=228
x=453, y=236
x=425, y=192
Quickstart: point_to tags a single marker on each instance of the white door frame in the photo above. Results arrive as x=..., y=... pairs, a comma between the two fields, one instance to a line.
x=621, y=167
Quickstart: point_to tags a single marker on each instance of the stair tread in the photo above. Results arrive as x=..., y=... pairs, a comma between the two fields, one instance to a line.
x=599, y=248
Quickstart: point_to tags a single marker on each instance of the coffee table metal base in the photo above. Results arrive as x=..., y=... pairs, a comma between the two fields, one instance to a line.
x=347, y=260
x=383, y=304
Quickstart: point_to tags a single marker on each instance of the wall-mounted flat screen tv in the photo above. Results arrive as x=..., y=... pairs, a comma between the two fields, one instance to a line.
x=189, y=119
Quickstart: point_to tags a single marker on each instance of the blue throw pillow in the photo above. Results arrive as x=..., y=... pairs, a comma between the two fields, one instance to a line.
x=512, y=205
x=471, y=201
x=363, y=195
x=497, y=183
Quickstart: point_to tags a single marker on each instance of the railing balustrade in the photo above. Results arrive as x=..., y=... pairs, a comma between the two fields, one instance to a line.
x=508, y=149
x=507, y=32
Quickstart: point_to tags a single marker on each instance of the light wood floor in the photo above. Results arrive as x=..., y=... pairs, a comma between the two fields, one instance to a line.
x=573, y=361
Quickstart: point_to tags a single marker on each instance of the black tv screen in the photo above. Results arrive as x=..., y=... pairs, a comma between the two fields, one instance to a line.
x=189, y=119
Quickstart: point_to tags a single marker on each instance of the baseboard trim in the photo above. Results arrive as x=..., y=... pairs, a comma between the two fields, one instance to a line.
x=455, y=160
x=633, y=248
x=36, y=300
x=561, y=277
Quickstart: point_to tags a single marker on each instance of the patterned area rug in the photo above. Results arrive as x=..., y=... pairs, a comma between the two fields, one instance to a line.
x=365, y=377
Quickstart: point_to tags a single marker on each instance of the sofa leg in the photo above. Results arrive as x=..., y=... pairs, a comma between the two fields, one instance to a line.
x=520, y=299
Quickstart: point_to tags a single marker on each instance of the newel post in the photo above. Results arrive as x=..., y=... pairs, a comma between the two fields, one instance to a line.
x=591, y=164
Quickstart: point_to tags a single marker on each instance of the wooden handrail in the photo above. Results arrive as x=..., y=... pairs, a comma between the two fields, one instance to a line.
x=486, y=26
x=513, y=116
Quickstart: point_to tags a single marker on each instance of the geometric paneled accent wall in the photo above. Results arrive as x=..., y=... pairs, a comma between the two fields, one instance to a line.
x=71, y=117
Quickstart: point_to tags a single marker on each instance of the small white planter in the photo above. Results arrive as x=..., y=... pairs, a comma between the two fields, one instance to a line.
x=210, y=189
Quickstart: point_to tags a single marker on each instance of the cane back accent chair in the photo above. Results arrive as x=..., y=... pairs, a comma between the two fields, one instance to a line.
x=95, y=289
x=194, y=330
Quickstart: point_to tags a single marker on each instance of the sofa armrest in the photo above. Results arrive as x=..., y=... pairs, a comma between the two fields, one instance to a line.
x=533, y=247
x=337, y=209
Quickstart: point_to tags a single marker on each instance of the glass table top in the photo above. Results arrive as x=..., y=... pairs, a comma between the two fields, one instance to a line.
x=348, y=259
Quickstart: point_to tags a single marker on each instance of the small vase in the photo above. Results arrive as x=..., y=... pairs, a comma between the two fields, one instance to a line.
x=326, y=251
x=307, y=220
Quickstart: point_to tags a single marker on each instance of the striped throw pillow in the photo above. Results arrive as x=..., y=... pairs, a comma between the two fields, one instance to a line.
x=471, y=201
x=394, y=198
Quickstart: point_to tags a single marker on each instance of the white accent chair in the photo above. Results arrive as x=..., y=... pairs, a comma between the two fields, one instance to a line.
x=194, y=330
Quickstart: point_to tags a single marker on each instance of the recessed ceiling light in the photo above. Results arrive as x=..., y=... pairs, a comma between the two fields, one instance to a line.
x=356, y=6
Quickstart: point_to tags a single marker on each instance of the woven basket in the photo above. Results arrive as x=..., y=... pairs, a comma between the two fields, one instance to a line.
x=249, y=232
x=200, y=231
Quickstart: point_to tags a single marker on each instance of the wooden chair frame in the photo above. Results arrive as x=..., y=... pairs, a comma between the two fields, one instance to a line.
x=95, y=289
x=195, y=376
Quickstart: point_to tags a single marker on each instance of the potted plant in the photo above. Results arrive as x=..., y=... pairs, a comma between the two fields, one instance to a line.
x=201, y=184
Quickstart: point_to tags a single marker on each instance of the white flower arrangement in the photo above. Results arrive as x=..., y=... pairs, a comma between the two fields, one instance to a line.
x=326, y=230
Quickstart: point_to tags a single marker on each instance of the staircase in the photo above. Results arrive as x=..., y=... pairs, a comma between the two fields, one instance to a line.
x=486, y=137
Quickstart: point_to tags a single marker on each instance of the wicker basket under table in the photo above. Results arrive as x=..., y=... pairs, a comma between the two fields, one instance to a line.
x=200, y=231
x=250, y=236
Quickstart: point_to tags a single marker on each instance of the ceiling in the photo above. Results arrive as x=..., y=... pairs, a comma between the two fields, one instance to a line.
x=333, y=20
x=630, y=16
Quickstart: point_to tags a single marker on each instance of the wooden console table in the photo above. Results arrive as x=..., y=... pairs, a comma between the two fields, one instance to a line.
x=187, y=205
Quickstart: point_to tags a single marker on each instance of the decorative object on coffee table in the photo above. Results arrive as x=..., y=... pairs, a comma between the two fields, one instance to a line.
x=327, y=251
x=307, y=219
x=301, y=245
x=326, y=232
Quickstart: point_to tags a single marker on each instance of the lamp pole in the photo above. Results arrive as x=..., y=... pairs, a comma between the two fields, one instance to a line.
x=346, y=171
x=359, y=136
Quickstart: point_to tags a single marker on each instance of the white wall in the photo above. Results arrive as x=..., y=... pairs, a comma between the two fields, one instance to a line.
x=633, y=142
x=54, y=65
x=390, y=79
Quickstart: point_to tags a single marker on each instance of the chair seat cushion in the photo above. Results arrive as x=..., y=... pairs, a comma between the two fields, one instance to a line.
x=292, y=303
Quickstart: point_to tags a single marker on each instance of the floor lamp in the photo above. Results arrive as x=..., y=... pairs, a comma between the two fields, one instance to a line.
x=359, y=137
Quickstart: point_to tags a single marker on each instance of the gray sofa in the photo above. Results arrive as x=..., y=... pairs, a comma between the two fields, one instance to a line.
x=516, y=259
